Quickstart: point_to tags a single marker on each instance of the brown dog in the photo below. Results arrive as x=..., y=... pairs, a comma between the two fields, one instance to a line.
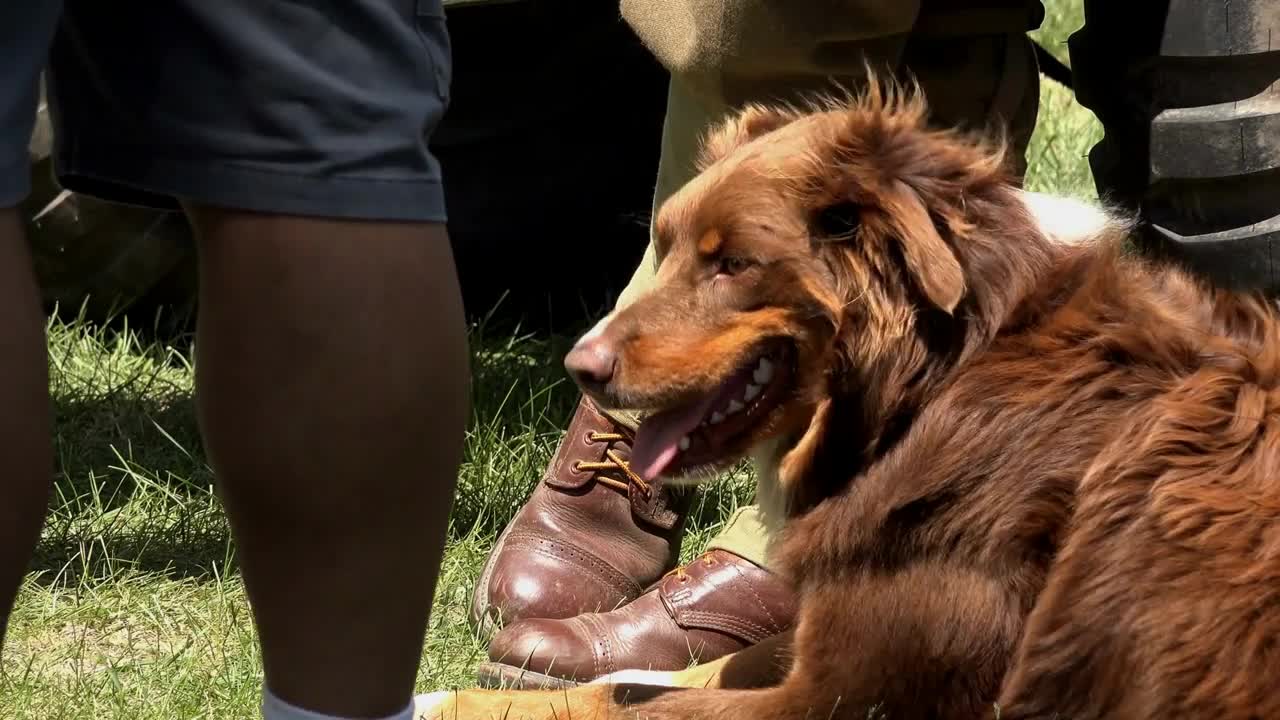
x=1021, y=475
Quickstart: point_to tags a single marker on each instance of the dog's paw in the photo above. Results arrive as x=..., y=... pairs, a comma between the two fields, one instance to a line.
x=477, y=704
x=637, y=677
x=434, y=706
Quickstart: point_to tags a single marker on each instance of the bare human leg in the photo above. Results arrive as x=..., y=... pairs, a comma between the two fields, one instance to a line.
x=24, y=413
x=26, y=439
x=332, y=385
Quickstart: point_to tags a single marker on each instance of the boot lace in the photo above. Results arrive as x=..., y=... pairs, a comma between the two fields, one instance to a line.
x=612, y=463
x=681, y=575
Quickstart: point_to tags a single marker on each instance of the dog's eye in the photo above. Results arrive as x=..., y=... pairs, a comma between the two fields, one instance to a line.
x=732, y=265
x=838, y=220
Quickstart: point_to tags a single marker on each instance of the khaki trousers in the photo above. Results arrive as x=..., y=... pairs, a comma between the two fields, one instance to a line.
x=973, y=60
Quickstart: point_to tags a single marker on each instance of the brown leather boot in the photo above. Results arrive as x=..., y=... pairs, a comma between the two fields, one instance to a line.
x=718, y=604
x=591, y=537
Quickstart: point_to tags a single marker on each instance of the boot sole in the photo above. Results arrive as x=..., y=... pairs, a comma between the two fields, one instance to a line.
x=499, y=676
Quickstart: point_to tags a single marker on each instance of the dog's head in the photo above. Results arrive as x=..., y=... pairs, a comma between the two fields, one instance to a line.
x=843, y=253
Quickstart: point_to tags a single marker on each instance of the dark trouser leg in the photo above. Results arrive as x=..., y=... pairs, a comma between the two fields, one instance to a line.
x=1187, y=94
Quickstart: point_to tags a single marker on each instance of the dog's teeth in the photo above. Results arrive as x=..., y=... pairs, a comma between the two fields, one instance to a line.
x=734, y=406
x=751, y=393
x=764, y=372
x=717, y=417
x=684, y=443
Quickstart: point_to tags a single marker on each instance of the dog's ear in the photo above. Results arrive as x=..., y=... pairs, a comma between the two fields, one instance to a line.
x=899, y=181
x=897, y=218
x=931, y=262
x=741, y=127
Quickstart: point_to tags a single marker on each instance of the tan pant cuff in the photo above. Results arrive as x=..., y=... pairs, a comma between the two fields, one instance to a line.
x=746, y=535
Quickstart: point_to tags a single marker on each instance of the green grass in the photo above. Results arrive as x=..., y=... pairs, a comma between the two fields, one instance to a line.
x=1057, y=157
x=134, y=609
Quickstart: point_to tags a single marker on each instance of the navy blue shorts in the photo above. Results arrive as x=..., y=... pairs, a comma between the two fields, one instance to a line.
x=299, y=107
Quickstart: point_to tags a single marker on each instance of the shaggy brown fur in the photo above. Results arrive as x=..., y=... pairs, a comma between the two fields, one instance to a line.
x=1021, y=474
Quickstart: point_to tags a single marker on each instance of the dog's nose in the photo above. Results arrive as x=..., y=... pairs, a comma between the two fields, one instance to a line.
x=591, y=363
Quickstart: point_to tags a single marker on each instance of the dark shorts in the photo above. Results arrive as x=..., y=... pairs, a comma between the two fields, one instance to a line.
x=300, y=107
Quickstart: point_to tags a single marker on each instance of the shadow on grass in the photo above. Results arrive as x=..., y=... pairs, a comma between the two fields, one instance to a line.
x=133, y=489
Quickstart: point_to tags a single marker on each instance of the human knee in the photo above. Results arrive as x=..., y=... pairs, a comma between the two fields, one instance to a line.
x=328, y=271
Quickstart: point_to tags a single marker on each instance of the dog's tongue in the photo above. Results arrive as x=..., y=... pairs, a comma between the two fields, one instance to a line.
x=658, y=437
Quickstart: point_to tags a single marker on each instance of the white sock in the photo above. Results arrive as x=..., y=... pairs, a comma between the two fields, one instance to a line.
x=273, y=708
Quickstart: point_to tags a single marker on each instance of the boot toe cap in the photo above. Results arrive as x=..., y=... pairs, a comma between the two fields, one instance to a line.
x=558, y=581
x=559, y=648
